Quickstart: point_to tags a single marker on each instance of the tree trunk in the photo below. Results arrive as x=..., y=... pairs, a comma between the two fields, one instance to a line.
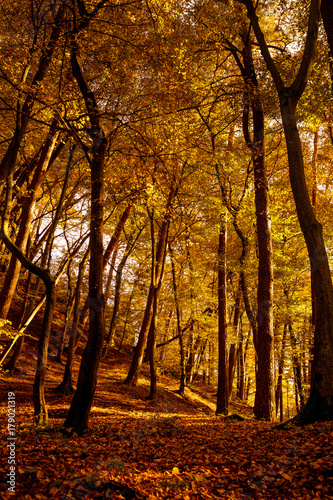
x=134, y=371
x=66, y=386
x=314, y=205
x=116, y=303
x=182, y=382
x=241, y=372
x=128, y=309
x=223, y=385
x=23, y=113
x=78, y=414
x=320, y=403
x=68, y=312
x=264, y=338
x=13, y=272
x=234, y=351
x=326, y=10
x=152, y=350
x=278, y=392
x=200, y=359
x=110, y=273
x=297, y=368
x=40, y=409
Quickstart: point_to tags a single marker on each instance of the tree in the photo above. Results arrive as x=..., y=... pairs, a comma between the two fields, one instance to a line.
x=78, y=413
x=157, y=266
x=223, y=382
x=264, y=337
x=319, y=406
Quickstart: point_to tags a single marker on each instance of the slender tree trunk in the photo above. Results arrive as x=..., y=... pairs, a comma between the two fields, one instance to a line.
x=182, y=382
x=192, y=343
x=110, y=274
x=152, y=350
x=314, y=205
x=200, y=358
x=40, y=408
x=118, y=230
x=24, y=113
x=241, y=372
x=66, y=386
x=278, y=392
x=134, y=371
x=232, y=365
x=128, y=309
x=297, y=367
x=68, y=312
x=223, y=385
x=234, y=351
x=116, y=303
x=326, y=10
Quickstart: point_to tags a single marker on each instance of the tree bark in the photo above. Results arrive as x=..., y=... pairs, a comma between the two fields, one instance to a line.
x=68, y=312
x=297, y=369
x=314, y=205
x=326, y=10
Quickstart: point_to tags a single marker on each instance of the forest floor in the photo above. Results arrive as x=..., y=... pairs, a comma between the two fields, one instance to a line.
x=170, y=449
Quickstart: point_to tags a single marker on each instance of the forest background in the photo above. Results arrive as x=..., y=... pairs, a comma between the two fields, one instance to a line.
x=152, y=188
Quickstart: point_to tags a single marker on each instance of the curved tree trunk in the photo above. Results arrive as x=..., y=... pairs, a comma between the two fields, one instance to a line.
x=320, y=403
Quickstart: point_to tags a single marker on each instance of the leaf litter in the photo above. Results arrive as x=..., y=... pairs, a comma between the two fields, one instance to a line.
x=168, y=449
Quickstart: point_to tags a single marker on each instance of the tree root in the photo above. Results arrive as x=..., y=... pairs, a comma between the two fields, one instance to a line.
x=316, y=409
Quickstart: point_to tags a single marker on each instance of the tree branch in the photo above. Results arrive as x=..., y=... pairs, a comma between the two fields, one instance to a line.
x=251, y=14
x=309, y=54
